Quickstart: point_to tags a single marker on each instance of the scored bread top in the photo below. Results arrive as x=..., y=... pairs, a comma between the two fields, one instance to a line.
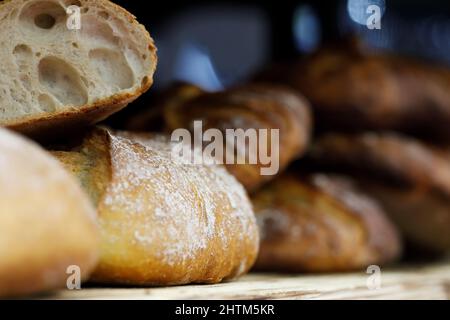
x=53, y=74
x=162, y=221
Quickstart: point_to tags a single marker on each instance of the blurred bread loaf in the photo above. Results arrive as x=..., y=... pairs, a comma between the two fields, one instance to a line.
x=250, y=107
x=352, y=89
x=162, y=222
x=47, y=224
x=410, y=179
x=321, y=223
x=54, y=77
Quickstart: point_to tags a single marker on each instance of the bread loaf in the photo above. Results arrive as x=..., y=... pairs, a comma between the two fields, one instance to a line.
x=321, y=223
x=162, y=222
x=47, y=224
x=55, y=74
x=352, y=89
x=410, y=179
x=266, y=107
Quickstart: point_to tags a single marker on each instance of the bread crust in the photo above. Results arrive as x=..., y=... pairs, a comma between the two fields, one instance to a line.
x=47, y=224
x=410, y=179
x=387, y=156
x=423, y=217
x=162, y=223
x=250, y=107
x=321, y=223
x=60, y=122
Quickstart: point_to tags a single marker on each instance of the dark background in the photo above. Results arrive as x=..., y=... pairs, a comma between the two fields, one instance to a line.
x=216, y=44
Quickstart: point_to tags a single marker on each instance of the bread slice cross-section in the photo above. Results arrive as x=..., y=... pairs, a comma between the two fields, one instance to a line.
x=69, y=63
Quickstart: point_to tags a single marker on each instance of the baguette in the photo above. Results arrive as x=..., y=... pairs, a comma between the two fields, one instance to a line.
x=162, y=223
x=47, y=224
x=54, y=78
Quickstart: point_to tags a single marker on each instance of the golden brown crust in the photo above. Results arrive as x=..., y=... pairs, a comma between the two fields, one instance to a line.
x=47, y=223
x=45, y=125
x=409, y=178
x=422, y=216
x=162, y=222
x=250, y=107
x=351, y=89
x=386, y=156
x=321, y=223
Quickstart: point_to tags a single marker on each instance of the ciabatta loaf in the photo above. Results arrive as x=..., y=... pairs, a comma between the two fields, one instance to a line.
x=69, y=62
x=48, y=231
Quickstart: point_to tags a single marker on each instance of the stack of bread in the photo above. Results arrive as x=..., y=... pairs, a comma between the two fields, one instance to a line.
x=104, y=206
x=116, y=207
x=364, y=156
x=384, y=121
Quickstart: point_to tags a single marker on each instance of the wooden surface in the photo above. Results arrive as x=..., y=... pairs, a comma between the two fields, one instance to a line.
x=419, y=282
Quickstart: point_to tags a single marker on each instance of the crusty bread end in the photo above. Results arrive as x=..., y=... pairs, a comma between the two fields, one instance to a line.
x=53, y=77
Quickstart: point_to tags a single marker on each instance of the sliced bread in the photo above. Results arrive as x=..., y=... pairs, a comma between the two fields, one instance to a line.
x=67, y=63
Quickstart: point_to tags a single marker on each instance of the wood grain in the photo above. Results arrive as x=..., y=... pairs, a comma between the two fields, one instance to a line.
x=419, y=282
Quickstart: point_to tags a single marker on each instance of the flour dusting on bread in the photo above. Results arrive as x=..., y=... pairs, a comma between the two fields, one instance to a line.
x=210, y=189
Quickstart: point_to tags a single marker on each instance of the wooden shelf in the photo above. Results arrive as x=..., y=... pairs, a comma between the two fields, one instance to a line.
x=419, y=282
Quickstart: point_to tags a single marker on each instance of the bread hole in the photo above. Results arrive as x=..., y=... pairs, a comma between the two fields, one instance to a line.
x=97, y=32
x=41, y=15
x=75, y=45
x=23, y=57
x=104, y=15
x=63, y=81
x=45, y=21
x=46, y=103
x=85, y=10
x=38, y=54
x=112, y=67
x=22, y=52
